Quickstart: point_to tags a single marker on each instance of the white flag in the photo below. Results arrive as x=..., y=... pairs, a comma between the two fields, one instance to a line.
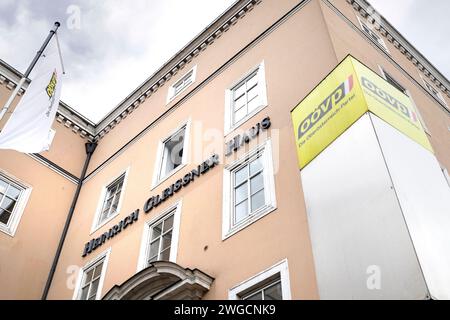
x=28, y=128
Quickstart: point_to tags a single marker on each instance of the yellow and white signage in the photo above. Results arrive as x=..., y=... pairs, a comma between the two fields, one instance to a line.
x=343, y=97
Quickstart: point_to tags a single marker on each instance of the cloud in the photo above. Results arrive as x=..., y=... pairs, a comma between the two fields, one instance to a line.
x=424, y=24
x=117, y=46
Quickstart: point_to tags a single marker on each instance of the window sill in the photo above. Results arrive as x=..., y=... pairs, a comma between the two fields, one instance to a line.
x=260, y=213
x=165, y=178
x=96, y=228
x=6, y=230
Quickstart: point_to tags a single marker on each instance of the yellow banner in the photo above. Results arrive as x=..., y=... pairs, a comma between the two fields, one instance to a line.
x=348, y=92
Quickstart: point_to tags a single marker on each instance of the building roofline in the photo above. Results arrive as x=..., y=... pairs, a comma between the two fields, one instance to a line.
x=177, y=62
x=403, y=45
x=87, y=128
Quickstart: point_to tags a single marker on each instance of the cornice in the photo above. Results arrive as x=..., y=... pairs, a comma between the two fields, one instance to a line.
x=402, y=45
x=87, y=129
x=185, y=56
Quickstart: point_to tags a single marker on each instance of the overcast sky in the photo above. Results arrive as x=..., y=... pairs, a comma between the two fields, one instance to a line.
x=110, y=47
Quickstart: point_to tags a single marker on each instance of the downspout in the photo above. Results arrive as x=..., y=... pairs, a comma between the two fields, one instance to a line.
x=90, y=148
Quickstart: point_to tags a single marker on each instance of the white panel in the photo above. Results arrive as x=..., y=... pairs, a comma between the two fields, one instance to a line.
x=424, y=197
x=356, y=224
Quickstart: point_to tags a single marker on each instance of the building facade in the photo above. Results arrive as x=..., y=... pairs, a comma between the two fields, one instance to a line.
x=192, y=188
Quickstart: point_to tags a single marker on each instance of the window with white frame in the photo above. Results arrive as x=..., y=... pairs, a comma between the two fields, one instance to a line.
x=434, y=92
x=90, y=282
x=13, y=198
x=249, y=190
x=268, y=290
x=160, y=238
x=246, y=97
x=111, y=200
x=182, y=84
x=172, y=154
x=271, y=284
x=372, y=34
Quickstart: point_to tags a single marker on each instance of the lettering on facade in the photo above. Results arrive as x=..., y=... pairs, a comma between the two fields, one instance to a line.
x=151, y=203
x=97, y=242
x=238, y=141
x=155, y=201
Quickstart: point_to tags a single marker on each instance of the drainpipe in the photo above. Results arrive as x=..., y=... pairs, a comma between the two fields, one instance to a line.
x=90, y=148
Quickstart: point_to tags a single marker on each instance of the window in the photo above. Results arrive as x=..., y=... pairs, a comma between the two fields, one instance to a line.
x=13, y=198
x=249, y=191
x=90, y=280
x=248, y=185
x=434, y=92
x=271, y=284
x=112, y=198
x=110, y=201
x=391, y=80
x=373, y=35
x=182, y=84
x=160, y=238
x=172, y=154
x=245, y=98
x=394, y=83
x=269, y=291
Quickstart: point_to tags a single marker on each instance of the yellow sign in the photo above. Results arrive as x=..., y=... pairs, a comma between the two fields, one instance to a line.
x=342, y=98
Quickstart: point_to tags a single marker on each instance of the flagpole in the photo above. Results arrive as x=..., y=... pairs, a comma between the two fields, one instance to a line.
x=30, y=68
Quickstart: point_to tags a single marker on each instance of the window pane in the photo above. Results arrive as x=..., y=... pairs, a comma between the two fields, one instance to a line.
x=88, y=276
x=273, y=292
x=168, y=223
x=240, y=114
x=256, y=183
x=4, y=216
x=165, y=255
x=241, y=211
x=166, y=240
x=13, y=192
x=94, y=288
x=253, y=104
x=239, y=103
x=240, y=176
x=84, y=293
x=154, y=248
x=115, y=204
x=240, y=193
x=156, y=231
x=173, y=153
x=98, y=270
x=107, y=205
x=239, y=91
x=252, y=93
x=3, y=186
x=252, y=81
x=256, y=296
x=152, y=259
x=255, y=166
x=8, y=204
x=258, y=200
